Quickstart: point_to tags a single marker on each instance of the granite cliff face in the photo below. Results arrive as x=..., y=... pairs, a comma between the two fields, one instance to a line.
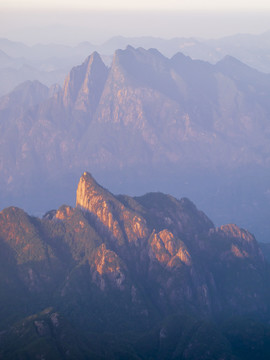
x=121, y=264
x=124, y=223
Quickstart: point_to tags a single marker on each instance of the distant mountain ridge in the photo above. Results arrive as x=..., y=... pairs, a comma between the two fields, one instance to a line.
x=131, y=277
x=146, y=115
x=49, y=63
x=180, y=85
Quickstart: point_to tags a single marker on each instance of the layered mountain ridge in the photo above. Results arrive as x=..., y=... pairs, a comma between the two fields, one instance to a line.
x=50, y=63
x=128, y=271
x=159, y=101
x=148, y=117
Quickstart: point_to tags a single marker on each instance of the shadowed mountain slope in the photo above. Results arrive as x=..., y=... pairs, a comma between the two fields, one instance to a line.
x=136, y=276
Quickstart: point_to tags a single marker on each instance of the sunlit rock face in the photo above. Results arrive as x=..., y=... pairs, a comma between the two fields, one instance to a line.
x=108, y=267
x=237, y=242
x=121, y=221
x=173, y=238
x=115, y=263
x=169, y=250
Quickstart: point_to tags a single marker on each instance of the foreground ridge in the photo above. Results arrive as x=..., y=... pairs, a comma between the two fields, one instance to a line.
x=150, y=267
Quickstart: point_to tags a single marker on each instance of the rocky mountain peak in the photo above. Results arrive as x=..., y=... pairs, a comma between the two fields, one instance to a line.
x=119, y=264
x=27, y=94
x=234, y=68
x=100, y=203
x=141, y=64
x=124, y=223
x=181, y=58
x=84, y=84
x=88, y=189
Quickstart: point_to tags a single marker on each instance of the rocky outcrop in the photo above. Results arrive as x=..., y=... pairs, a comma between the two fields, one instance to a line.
x=237, y=242
x=169, y=250
x=107, y=267
x=116, y=242
x=84, y=85
x=116, y=263
x=121, y=221
x=175, y=239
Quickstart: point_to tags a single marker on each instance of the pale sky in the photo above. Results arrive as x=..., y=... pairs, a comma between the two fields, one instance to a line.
x=74, y=21
x=139, y=4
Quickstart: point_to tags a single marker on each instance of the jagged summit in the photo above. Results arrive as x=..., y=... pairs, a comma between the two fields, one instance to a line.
x=122, y=221
x=84, y=84
x=141, y=64
x=87, y=189
x=126, y=265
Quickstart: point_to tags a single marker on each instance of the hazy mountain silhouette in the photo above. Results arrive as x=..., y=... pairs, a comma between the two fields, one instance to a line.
x=156, y=120
x=49, y=63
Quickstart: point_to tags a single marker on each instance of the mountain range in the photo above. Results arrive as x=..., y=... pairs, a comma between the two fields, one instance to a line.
x=119, y=277
x=49, y=63
x=168, y=124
